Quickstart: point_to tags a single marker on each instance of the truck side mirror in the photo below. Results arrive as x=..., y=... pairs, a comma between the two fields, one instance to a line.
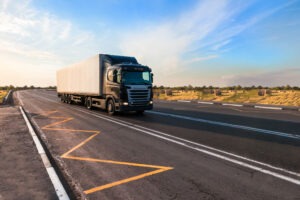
x=152, y=77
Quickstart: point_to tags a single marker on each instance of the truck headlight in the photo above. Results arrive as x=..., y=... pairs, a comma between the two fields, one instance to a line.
x=151, y=102
x=125, y=103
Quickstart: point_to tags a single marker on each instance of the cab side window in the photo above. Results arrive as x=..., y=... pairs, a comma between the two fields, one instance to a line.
x=113, y=75
x=117, y=76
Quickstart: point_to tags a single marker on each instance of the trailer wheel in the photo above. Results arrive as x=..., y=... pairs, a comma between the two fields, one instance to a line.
x=88, y=102
x=64, y=98
x=69, y=99
x=111, y=109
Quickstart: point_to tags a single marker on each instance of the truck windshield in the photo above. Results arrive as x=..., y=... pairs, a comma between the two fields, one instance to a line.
x=135, y=78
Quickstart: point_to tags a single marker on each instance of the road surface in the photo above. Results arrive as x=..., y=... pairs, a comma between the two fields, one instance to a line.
x=177, y=151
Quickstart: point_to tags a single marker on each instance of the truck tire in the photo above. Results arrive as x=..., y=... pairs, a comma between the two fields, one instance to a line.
x=89, y=103
x=69, y=99
x=65, y=98
x=111, y=109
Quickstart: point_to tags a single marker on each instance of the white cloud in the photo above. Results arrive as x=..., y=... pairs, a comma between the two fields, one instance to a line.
x=199, y=34
x=34, y=43
x=162, y=45
x=199, y=59
x=38, y=41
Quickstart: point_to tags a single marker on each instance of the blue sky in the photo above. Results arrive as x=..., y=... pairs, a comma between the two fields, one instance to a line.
x=210, y=42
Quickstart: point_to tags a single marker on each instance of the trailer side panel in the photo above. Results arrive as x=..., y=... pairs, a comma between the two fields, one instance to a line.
x=82, y=78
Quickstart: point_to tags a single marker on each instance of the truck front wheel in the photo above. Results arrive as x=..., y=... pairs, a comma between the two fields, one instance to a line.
x=111, y=107
x=88, y=103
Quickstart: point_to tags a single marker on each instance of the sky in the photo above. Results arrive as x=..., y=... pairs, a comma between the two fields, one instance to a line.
x=204, y=42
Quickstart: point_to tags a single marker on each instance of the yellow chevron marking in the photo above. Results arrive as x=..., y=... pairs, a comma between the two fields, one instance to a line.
x=61, y=120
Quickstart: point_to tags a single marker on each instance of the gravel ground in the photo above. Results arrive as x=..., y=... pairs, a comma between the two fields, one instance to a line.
x=22, y=173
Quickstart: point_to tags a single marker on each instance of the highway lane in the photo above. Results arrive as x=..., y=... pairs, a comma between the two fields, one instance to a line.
x=239, y=115
x=194, y=175
x=279, y=151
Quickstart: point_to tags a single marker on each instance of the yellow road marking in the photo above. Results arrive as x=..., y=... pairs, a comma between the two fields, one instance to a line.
x=117, y=162
x=124, y=181
x=66, y=155
x=70, y=130
x=56, y=123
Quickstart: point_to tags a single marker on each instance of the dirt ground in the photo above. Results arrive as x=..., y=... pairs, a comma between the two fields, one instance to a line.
x=22, y=173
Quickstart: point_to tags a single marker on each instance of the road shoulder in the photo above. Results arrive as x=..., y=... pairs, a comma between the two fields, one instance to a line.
x=23, y=175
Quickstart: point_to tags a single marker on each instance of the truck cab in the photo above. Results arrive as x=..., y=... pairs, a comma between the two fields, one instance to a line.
x=130, y=87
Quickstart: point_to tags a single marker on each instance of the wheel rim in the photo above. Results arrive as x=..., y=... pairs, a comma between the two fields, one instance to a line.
x=110, y=107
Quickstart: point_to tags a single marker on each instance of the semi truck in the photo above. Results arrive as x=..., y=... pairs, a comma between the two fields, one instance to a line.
x=111, y=82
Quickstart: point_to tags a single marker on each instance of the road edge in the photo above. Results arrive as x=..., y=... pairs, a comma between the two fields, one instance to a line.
x=6, y=97
x=53, y=175
x=58, y=186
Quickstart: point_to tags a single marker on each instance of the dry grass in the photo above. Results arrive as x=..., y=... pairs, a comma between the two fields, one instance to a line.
x=2, y=95
x=180, y=95
x=288, y=98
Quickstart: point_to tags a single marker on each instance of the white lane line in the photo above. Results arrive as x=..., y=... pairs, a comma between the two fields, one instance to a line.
x=230, y=104
x=223, y=152
x=268, y=107
x=282, y=134
x=59, y=189
x=181, y=142
x=194, y=143
x=241, y=163
x=248, y=128
x=184, y=101
x=204, y=102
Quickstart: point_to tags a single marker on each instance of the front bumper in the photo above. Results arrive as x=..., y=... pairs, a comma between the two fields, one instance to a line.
x=135, y=108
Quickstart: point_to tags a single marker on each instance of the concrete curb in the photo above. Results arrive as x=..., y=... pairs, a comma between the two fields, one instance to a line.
x=257, y=106
x=58, y=186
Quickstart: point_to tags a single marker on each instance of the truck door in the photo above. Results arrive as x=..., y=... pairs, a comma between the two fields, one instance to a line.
x=113, y=83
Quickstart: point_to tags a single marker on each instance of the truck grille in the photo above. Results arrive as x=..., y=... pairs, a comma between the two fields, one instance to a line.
x=138, y=97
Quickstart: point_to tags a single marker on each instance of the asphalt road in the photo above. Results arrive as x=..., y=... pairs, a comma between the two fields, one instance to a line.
x=176, y=151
